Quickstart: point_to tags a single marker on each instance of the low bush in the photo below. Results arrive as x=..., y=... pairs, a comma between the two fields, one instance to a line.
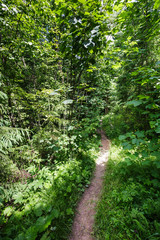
x=130, y=203
x=116, y=123
x=42, y=205
x=121, y=120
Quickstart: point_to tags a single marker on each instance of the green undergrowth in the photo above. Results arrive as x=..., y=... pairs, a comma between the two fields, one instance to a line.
x=118, y=122
x=43, y=207
x=129, y=208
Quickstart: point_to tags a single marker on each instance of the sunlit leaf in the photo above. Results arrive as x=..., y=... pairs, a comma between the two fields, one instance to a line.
x=135, y=103
x=68, y=101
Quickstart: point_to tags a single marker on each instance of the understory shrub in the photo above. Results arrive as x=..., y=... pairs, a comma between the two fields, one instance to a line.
x=115, y=123
x=130, y=204
x=42, y=205
x=121, y=120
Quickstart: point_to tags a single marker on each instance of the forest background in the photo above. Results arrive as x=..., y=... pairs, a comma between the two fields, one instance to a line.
x=64, y=64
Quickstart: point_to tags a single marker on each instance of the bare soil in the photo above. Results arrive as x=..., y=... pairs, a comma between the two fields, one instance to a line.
x=82, y=228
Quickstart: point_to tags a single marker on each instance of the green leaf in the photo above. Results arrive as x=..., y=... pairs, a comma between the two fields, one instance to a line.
x=135, y=103
x=82, y=1
x=55, y=213
x=152, y=124
x=3, y=95
x=68, y=101
x=8, y=211
x=45, y=236
x=40, y=223
x=157, y=130
x=157, y=4
x=69, y=189
x=135, y=141
x=118, y=7
x=38, y=209
x=69, y=211
x=38, y=184
x=21, y=236
x=143, y=96
x=127, y=146
x=146, y=163
x=18, y=197
x=44, y=221
x=140, y=134
x=31, y=233
x=122, y=137
x=54, y=93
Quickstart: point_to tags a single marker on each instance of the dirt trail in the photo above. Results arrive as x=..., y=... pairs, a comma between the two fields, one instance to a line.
x=83, y=223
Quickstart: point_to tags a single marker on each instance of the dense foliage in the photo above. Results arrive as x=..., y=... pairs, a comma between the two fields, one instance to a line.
x=129, y=208
x=49, y=115
x=63, y=64
x=130, y=203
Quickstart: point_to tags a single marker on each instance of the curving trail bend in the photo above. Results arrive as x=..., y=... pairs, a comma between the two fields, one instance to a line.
x=82, y=228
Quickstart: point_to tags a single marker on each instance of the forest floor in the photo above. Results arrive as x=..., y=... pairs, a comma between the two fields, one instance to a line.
x=82, y=228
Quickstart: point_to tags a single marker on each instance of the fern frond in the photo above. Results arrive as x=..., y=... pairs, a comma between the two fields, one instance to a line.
x=3, y=95
x=10, y=136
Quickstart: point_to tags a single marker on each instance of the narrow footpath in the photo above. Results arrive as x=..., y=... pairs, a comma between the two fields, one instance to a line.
x=82, y=228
